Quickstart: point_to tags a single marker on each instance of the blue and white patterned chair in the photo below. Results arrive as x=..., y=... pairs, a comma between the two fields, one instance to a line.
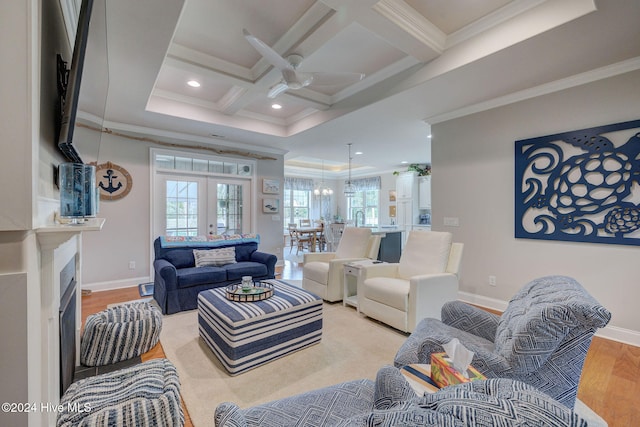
x=542, y=338
x=390, y=401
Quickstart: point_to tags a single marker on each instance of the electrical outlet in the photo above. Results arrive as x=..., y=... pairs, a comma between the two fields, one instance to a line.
x=451, y=221
x=132, y=265
x=492, y=280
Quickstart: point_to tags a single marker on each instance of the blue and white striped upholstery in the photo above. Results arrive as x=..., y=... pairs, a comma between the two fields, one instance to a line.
x=120, y=333
x=244, y=335
x=542, y=338
x=392, y=402
x=144, y=395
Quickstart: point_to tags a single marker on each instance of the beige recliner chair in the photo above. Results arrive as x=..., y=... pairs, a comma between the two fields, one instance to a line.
x=323, y=272
x=401, y=294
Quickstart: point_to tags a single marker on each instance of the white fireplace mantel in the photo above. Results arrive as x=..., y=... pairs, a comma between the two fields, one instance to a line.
x=59, y=244
x=55, y=234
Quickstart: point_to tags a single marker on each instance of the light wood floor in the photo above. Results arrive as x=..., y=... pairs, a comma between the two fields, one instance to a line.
x=609, y=383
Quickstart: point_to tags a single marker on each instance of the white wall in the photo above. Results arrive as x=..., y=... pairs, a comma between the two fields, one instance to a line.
x=473, y=179
x=126, y=235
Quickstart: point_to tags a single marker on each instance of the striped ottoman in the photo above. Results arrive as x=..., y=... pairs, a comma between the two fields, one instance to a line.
x=245, y=335
x=120, y=333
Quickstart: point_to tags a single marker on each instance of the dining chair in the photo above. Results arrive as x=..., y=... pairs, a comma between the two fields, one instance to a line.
x=321, y=241
x=305, y=222
x=291, y=227
x=333, y=235
x=301, y=241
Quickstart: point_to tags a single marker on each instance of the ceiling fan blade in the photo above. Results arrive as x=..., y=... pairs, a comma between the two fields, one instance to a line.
x=277, y=89
x=267, y=52
x=335, y=79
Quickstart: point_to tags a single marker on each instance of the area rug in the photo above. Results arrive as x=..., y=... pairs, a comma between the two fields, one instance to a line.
x=352, y=347
x=145, y=289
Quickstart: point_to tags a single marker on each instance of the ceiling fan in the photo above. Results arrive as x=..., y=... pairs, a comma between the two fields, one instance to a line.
x=292, y=79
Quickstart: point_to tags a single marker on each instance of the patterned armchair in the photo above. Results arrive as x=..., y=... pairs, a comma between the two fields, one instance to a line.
x=541, y=339
x=390, y=401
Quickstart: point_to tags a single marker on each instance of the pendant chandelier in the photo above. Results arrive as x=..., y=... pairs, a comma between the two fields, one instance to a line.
x=349, y=189
x=322, y=189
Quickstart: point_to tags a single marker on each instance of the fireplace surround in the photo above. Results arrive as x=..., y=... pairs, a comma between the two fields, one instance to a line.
x=60, y=246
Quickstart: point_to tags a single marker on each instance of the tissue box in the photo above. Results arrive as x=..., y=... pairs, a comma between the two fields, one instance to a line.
x=443, y=373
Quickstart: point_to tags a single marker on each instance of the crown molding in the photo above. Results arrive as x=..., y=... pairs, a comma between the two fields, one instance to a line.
x=505, y=13
x=556, y=86
x=407, y=18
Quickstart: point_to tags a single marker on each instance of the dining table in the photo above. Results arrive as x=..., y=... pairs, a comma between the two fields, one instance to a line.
x=314, y=233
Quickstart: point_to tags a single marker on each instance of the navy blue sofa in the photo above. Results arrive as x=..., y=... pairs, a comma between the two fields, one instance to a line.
x=178, y=281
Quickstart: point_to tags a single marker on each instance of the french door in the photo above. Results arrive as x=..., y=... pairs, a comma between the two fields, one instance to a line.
x=196, y=205
x=228, y=206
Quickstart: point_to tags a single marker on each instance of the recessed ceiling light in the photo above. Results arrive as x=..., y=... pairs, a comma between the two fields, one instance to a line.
x=404, y=162
x=193, y=83
x=276, y=106
x=357, y=153
x=429, y=136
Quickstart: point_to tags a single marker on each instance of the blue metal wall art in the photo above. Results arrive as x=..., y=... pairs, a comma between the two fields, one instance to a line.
x=580, y=186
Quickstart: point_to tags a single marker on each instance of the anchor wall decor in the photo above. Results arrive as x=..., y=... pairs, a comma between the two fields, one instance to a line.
x=114, y=182
x=581, y=186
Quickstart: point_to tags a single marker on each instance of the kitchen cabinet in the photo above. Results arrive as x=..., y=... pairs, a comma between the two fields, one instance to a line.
x=407, y=201
x=406, y=185
x=425, y=192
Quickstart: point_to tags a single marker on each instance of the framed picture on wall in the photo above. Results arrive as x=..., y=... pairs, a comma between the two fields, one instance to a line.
x=270, y=186
x=392, y=211
x=270, y=205
x=392, y=195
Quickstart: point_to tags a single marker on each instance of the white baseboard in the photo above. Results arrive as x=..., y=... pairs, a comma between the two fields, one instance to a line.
x=115, y=284
x=613, y=333
x=492, y=303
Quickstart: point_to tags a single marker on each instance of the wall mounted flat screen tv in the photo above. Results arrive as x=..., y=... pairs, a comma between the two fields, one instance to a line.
x=69, y=84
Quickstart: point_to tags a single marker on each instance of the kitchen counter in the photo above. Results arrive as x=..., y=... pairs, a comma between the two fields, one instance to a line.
x=384, y=229
x=390, y=242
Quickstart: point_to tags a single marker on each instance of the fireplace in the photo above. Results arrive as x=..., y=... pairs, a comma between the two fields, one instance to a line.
x=67, y=324
x=60, y=248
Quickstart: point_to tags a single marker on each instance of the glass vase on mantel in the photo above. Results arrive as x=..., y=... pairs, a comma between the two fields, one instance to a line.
x=78, y=192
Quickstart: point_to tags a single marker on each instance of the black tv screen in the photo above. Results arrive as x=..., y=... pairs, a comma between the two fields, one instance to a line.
x=72, y=93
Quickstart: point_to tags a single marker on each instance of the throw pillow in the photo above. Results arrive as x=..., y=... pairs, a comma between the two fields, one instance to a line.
x=214, y=257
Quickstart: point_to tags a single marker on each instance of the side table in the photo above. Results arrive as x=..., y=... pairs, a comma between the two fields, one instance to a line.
x=352, y=277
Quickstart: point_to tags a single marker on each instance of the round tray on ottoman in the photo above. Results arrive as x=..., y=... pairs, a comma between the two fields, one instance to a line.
x=260, y=291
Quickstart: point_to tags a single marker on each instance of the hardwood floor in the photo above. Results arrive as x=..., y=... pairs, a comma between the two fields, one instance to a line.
x=609, y=384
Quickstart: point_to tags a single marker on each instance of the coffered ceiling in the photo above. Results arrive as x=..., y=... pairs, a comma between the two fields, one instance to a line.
x=421, y=59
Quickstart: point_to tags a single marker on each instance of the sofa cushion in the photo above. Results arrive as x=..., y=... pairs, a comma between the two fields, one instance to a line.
x=388, y=291
x=248, y=268
x=194, y=276
x=180, y=258
x=214, y=257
